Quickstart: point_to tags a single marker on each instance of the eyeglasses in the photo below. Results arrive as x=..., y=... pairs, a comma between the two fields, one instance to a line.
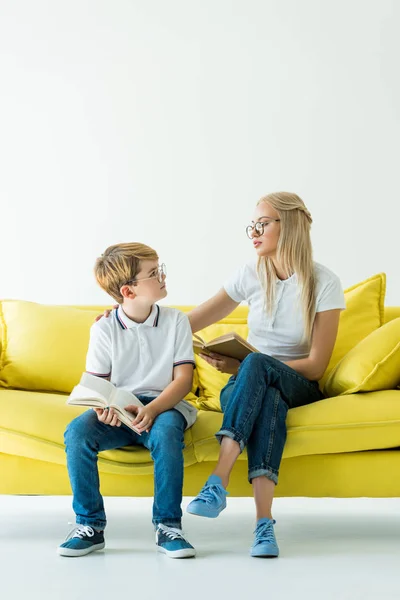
x=258, y=228
x=159, y=274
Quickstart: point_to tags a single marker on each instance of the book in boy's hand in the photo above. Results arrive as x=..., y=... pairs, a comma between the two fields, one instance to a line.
x=99, y=393
x=230, y=344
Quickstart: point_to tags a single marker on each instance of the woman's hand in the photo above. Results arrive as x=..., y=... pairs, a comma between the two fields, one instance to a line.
x=106, y=313
x=223, y=364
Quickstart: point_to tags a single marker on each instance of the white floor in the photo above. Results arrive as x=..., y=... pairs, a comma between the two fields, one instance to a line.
x=330, y=549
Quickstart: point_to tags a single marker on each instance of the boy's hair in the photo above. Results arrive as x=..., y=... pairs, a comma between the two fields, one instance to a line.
x=119, y=264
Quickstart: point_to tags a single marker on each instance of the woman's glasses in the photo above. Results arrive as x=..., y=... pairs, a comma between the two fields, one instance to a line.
x=258, y=228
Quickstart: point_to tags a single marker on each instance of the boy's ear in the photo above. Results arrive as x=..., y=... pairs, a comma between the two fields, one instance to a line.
x=127, y=292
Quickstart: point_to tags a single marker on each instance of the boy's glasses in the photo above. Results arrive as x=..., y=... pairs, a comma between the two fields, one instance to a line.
x=160, y=273
x=258, y=228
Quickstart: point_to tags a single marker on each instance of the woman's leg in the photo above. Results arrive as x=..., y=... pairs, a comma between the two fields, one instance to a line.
x=255, y=415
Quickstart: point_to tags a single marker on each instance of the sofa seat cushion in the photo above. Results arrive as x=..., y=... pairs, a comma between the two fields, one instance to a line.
x=32, y=425
x=343, y=424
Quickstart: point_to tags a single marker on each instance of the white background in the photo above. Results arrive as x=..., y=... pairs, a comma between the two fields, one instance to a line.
x=164, y=122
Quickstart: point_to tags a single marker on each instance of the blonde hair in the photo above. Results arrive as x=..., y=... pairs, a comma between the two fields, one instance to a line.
x=294, y=254
x=119, y=264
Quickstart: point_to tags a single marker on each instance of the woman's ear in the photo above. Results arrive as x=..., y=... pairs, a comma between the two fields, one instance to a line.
x=126, y=291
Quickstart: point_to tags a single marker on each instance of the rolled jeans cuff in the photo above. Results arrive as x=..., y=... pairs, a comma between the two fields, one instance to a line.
x=95, y=524
x=177, y=524
x=233, y=434
x=261, y=471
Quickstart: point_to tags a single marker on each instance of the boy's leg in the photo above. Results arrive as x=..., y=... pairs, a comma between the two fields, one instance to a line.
x=166, y=442
x=85, y=437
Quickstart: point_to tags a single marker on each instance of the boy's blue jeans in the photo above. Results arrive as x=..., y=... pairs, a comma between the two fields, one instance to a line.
x=255, y=404
x=86, y=436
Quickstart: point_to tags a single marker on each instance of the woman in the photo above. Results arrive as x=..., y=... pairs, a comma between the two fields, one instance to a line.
x=294, y=309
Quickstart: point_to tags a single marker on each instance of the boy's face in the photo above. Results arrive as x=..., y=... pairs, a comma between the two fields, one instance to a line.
x=150, y=281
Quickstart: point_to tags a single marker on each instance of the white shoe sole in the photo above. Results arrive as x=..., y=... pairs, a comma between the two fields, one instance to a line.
x=71, y=552
x=185, y=553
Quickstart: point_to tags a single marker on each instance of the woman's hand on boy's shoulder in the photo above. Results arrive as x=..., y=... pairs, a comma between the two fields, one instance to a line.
x=106, y=313
x=223, y=364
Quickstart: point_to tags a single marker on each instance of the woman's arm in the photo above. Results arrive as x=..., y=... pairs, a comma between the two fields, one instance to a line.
x=211, y=311
x=323, y=340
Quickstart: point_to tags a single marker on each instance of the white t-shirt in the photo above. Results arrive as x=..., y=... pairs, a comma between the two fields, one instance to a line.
x=280, y=336
x=140, y=357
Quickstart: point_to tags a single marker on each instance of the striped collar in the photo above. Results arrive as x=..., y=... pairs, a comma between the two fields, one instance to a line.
x=127, y=323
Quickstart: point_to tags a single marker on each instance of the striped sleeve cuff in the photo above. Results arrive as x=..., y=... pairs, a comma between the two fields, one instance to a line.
x=185, y=362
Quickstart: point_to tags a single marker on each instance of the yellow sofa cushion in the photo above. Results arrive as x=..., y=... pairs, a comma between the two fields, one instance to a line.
x=212, y=381
x=364, y=313
x=44, y=347
x=373, y=364
x=33, y=424
x=350, y=423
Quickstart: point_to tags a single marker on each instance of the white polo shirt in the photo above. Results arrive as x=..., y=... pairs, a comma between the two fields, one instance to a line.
x=280, y=335
x=140, y=357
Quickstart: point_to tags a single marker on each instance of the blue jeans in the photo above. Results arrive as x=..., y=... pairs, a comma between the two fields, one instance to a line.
x=86, y=436
x=255, y=404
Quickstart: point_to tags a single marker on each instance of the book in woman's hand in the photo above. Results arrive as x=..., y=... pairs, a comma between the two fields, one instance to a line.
x=230, y=344
x=99, y=393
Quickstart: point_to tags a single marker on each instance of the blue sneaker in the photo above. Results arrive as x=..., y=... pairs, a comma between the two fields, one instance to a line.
x=265, y=545
x=82, y=540
x=211, y=500
x=170, y=540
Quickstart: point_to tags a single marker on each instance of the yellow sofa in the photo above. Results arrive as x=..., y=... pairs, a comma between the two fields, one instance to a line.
x=342, y=446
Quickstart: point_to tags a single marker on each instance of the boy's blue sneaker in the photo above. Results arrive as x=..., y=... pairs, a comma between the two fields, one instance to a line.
x=265, y=545
x=211, y=500
x=170, y=540
x=82, y=540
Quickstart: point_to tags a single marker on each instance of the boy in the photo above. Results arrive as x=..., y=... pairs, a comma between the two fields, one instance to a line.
x=146, y=349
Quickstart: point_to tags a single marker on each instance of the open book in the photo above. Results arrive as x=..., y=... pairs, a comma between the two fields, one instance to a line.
x=230, y=344
x=99, y=393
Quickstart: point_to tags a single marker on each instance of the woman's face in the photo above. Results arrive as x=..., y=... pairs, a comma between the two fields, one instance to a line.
x=266, y=242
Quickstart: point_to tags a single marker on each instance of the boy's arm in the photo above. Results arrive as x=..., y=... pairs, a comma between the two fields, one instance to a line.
x=98, y=358
x=179, y=387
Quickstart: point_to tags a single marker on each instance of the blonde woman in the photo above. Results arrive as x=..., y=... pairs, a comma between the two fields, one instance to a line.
x=294, y=308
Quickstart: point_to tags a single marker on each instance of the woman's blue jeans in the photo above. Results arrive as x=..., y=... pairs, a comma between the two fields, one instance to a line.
x=86, y=436
x=255, y=404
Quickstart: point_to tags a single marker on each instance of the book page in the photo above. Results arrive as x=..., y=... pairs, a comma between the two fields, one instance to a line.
x=123, y=398
x=84, y=396
x=103, y=387
x=198, y=340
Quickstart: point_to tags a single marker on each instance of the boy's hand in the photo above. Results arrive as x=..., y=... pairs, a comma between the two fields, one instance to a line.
x=223, y=364
x=107, y=416
x=144, y=416
x=106, y=313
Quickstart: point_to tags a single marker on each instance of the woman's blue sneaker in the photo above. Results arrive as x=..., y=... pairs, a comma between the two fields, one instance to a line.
x=170, y=540
x=265, y=545
x=82, y=540
x=211, y=500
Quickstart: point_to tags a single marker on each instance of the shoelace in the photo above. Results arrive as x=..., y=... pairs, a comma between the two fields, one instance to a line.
x=265, y=533
x=172, y=532
x=211, y=493
x=80, y=531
